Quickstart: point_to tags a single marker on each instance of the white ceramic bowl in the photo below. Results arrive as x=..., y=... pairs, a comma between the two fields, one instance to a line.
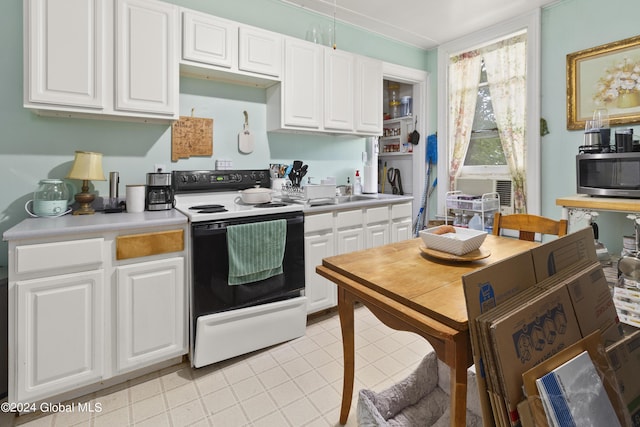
x=463, y=241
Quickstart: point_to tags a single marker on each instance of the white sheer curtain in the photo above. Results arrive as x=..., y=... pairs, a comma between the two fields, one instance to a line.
x=464, y=78
x=505, y=65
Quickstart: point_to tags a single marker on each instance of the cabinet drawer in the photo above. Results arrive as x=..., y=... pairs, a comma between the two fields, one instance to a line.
x=141, y=245
x=377, y=214
x=318, y=222
x=59, y=255
x=349, y=219
x=401, y=210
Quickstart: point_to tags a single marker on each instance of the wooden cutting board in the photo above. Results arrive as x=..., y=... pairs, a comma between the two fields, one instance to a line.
x=191, y=136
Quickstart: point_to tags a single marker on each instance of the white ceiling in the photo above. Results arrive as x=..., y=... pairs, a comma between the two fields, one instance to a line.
x=422, y=23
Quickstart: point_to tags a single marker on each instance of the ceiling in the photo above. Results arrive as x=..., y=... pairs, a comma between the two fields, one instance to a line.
x=422, y=23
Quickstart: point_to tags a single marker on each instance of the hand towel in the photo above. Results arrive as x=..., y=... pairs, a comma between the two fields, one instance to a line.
x=256, y=250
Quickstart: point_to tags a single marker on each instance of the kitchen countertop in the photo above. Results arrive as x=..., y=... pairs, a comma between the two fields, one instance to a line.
x=364, y=201
x=97, y=223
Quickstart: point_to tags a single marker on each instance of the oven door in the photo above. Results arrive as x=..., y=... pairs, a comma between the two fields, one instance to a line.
x=210, y=267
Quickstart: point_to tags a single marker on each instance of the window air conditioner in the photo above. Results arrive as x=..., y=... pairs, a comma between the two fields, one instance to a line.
x=479, y=186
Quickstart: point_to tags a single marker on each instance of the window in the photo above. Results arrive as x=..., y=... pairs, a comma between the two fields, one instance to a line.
x=488, y=115
x=485, y=148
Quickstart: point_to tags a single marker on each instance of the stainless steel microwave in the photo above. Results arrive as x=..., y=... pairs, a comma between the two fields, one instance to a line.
x=609, y=174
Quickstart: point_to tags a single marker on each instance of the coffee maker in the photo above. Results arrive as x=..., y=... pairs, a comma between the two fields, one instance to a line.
x=159, y=192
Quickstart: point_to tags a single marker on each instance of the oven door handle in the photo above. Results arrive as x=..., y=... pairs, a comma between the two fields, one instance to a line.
x=221, y=226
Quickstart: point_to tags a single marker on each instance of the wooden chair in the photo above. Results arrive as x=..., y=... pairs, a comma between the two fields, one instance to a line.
x=528, y=225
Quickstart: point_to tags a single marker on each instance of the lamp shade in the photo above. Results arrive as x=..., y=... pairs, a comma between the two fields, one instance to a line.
x=87, y=165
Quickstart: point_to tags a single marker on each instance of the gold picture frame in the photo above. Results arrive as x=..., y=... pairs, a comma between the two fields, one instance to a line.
x=606, y=76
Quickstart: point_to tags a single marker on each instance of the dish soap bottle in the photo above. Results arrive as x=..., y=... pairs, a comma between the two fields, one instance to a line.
x=357, y=184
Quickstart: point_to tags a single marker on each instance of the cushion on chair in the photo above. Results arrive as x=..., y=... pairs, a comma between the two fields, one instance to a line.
x=421, y=399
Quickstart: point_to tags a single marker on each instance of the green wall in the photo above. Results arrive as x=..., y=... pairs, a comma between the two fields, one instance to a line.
x=34, y=147
x=567, y=27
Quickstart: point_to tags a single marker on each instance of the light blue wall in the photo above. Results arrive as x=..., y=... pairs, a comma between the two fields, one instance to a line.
x=567, y=27
x=34, y=147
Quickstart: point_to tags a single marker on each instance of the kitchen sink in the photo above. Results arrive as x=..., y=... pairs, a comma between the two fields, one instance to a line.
x=354, y=198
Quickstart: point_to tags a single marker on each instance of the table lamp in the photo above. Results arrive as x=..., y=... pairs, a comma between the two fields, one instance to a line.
x=87, y=166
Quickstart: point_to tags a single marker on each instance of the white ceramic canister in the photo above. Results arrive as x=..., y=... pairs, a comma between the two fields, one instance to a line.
x=135, y=198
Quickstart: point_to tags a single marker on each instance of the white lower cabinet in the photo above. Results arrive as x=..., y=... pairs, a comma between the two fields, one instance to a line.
x=401, y=222
x=150, y=313
x=319, y=243
x=349, y=235
x=84, y=309
x=377, y=226
x=344, y=231
x=60, y=330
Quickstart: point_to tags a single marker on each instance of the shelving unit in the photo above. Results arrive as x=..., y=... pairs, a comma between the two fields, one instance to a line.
x=395, y=137
x=485, y=205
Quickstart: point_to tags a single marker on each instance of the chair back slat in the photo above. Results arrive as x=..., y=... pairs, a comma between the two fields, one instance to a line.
x=528, y=225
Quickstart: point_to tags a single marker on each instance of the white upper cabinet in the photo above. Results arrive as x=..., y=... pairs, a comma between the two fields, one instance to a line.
x=301, y=101
x=339, y=91
x=324, y=90
x=208, y=39
x=101, y=58
x=146, y=56
x=225, y=50
x=63, y=51
x=260, y=51
x=368, y=95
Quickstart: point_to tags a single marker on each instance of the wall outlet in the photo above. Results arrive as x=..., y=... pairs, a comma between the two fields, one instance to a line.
x=159, y=167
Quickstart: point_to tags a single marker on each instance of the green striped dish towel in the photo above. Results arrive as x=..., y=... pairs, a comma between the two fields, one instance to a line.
x=256, y=250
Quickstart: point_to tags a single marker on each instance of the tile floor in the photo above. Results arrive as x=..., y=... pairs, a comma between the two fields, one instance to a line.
x=297, y=383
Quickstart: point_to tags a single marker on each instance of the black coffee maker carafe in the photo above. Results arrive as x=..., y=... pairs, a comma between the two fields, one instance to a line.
x=159, y=192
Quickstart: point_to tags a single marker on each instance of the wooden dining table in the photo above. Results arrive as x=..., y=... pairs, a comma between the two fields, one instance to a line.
x=409, y=290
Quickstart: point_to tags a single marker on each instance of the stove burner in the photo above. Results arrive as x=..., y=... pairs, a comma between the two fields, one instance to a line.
x=271, y=205
x=213, y=210
x=207, y=207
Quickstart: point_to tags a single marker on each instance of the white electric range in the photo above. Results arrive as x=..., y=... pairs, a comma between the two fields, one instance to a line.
x=230, y=320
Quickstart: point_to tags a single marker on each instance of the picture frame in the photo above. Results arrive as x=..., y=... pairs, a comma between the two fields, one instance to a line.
x=605, y=76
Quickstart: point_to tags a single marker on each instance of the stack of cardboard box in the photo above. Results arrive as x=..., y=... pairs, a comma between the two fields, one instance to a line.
x=528, y=308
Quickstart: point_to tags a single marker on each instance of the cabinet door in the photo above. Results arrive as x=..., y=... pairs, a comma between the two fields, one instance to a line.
x=146, y=57
x=339, y=91
x=208, y=39
x=63, y=52
x=260, y=51
x=368, y=95
x=60, y=334
x=320, y=292
x=302, y=84
x=150, y=313
x=376, y=235
x=350, y=240
x=401, y=230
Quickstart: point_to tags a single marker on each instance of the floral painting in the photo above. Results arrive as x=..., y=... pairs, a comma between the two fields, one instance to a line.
x=606, y=76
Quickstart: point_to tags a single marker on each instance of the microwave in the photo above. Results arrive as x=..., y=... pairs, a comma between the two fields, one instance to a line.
x=609, y=174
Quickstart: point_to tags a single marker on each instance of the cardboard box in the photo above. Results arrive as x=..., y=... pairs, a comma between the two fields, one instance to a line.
x=491, y=287
x=560, y=254
x=530, y=334
x=485, y=289
x=624, y=357
x=592, y=300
